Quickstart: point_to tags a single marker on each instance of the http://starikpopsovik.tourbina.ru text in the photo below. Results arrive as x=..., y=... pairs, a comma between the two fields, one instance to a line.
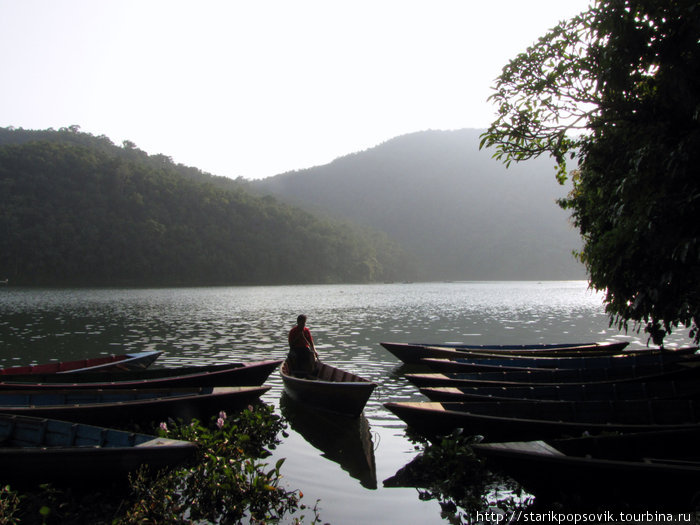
x=575, y=518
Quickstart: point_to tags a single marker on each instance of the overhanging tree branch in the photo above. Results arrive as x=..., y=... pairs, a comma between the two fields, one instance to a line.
x=618, y=88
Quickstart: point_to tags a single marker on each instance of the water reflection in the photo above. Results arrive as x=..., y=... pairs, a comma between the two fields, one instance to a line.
x=343, y=440
x=223, y=324
x=451, y=474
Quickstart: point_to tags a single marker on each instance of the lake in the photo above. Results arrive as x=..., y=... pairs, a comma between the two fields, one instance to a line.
x=329, y=459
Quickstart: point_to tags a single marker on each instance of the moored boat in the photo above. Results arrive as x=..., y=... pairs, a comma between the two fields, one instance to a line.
x=617, y=361
x=412, y=353
x=526, y=420
x=557, y=377
x=110, y=363
x=656, y=469
x=37, y=450
x=681, y=389
x=230, y=374
x=122, y=406
x=330, y=389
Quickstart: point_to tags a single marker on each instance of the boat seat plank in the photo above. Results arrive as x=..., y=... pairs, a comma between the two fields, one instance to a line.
x=42, y=430
x=73, y=434
x=536, y=447
x=690, y=462
x=8, y=431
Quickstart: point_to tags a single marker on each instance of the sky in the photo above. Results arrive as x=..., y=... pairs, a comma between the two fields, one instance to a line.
x=258, y=88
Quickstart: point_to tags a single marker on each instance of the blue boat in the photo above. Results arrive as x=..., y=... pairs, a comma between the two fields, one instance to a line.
x=669, y=389
x=553, y=377
x=412, y=353
x=517, y=363
x=123, y=406
x=38, y=450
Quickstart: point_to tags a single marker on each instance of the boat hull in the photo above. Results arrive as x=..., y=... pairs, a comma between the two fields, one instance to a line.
x=232, y=374
x=535, y=364
x=37, y=450
x=532, y=420
x=605, y=469
x=555, y=377
x=412, y=353
x=572, y=392
x=111, y=363
x=334, y=390
x=105, y=407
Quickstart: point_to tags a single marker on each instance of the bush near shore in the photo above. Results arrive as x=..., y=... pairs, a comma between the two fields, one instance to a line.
x=227, y=482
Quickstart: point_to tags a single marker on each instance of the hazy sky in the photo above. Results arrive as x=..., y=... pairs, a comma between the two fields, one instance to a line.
x=258, y=88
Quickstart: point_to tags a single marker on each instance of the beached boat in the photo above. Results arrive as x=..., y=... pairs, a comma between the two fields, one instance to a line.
x=681, y=389
x=526, y=420
x=36, y=450
x=231, y=374
x=121, y=406
x=414, y=352
x=330, y=389
x=111, y=363
x=480, y=364
x=660, y=470
x=555, y=376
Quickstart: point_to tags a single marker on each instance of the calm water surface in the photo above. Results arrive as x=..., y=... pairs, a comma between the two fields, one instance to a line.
x=340, y=463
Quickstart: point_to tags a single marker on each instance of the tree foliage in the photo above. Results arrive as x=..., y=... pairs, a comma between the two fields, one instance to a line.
x=617, y=89
x=227, y=481
x=77, y=210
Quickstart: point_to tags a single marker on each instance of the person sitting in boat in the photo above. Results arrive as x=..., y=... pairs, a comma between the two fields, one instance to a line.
x=302, y=352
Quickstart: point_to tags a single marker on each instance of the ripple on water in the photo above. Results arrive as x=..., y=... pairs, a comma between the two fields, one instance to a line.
x=200, y=326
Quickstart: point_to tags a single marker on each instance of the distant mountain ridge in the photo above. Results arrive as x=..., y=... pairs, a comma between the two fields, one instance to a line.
x=77, y=210
x=461, y=214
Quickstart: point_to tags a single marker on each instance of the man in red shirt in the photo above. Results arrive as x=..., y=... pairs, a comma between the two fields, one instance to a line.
x=302, y=352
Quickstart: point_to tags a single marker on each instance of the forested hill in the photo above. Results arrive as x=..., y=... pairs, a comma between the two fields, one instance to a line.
x=460, y=213
x=77, y=210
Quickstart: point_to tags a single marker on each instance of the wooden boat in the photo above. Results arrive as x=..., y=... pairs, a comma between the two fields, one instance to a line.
x=526, y=420
x=480, y=364
x=414, y=352
x=342, y=440
x=35, y=450
x=116, y=407
x=533, y=377
x=230, y=374
x=681, y=389
x=121, y=362
x=660, y=470
x=330, y=389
